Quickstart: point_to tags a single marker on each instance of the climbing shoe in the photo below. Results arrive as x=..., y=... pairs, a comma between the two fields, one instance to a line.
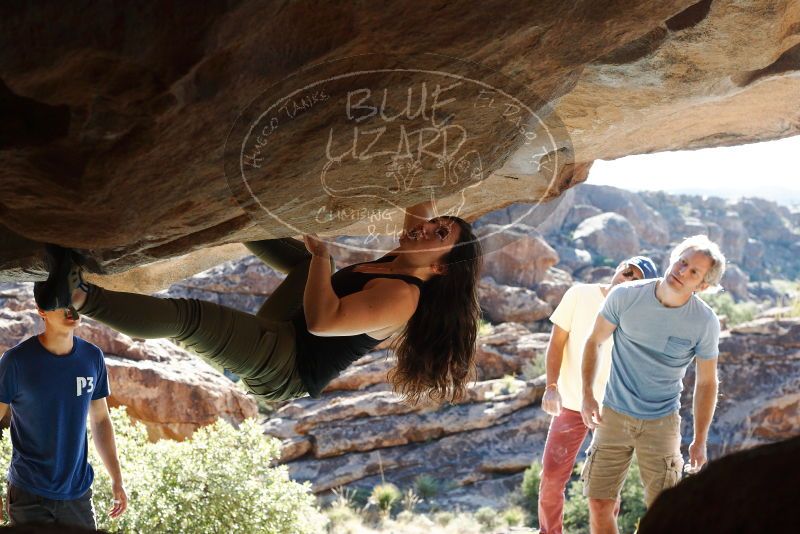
x=65, y=276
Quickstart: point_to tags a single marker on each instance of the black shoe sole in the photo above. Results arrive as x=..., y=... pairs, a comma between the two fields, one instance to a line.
x=56, y=293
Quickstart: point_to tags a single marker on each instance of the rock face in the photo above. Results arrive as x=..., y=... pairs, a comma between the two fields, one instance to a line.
x=650, y=226
x=608, y=235
x=758, y=248
x=735, y=282
x=95, y=121
x=511, y=245
x=243, y=285
x=757, y=235
x=502, y=303
x=759, y=374
x=162, y=386
x=360, y=428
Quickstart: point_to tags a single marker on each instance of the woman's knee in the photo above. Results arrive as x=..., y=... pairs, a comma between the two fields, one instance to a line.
x=189, y=317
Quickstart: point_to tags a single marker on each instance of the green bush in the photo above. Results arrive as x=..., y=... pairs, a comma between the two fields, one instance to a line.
x=340, y=515
x=385, y=496
x=723, y=304
x=514, y=516
x=484, y=327
x=220, y=480
x=576, y=509
x=530, y=490
x=487, y=517
x=632, y=508
x=465, y=523
x=443, y=518
x=427, y=487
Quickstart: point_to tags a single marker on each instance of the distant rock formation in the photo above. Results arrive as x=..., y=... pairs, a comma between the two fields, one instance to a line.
x=761, y=239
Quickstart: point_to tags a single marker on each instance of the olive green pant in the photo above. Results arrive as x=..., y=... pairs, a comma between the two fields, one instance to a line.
x=259, y=348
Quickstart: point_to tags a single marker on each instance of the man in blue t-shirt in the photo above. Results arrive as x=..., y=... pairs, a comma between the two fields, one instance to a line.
x=659, y=326
x=52, y=381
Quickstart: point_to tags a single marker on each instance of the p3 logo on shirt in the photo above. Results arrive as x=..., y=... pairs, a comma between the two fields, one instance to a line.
x=84, y=383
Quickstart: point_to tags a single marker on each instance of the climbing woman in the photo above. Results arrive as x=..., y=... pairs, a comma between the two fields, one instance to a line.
x=316, y=323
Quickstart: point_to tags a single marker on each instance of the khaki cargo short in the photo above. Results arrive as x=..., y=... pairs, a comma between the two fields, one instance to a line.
x=657, y=446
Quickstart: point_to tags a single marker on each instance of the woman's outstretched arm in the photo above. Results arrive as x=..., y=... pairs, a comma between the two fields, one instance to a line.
x=387, y=303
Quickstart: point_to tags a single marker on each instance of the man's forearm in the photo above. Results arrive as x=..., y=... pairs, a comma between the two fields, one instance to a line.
x=705, y=402
x=555, y=355
x=104, y=442
x=589, y=367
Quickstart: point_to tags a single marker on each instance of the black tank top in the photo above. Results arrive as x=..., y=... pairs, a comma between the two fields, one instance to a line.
x=321, y=359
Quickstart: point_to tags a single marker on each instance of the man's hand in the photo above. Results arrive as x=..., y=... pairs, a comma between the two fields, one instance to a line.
x=551, y=401
x=697, y=456
x=590, y=412
x=120, y=501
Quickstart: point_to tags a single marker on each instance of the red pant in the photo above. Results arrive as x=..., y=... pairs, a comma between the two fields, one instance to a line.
x=564, y=440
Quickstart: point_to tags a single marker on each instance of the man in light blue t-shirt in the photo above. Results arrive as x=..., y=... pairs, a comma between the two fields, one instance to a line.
x=659, y=327
x=52, y=382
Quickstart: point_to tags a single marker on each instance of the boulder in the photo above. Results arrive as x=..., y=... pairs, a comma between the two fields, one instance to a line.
x=715, y=232
x=734, y=238
x=753, y=256
x=175, y=397
x=241, y=284
x=765, y=291
x=466, y=457
x=735, y=281
x=578, y=214
x=608, y=235
x=552, y=288
x=571, y=258
x=546, y=217
x=596, y=275
x=651, y=226
x=689, y=226
x=507, y=349
x=764, y=219
x=517, y=256
x=503, y=303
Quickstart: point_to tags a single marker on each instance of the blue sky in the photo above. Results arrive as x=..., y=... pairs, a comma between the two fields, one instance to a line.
x=768, y=170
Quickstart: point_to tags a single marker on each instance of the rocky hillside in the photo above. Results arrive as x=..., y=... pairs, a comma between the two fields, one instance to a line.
x=359, y=432
x=594, y=227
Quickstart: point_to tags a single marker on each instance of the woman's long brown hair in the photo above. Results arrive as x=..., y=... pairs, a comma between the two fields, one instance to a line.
x=436, y=349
